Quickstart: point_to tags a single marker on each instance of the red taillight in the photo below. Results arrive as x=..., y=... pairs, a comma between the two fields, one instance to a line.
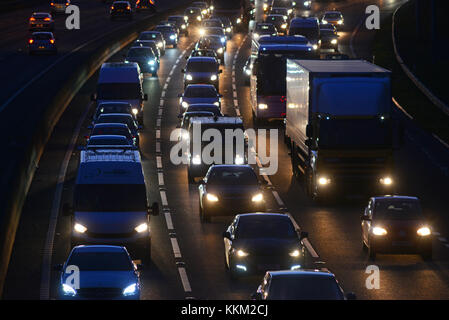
x=52, y=4
x=128, y=8
x=112, y=8
x=52, y=41
x=47, y=19
x=30, y=41
x=32, y=19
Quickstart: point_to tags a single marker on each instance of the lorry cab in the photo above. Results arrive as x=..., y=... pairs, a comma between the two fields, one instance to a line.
x=121, y=82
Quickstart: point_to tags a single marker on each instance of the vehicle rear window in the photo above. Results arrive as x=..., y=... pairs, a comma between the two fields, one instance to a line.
x=120, y=5
x=201, y=66
x=138, y=52
x=332, y=16
x=41, y=15
x=397, y=209
x=200, y=92
x=106, y=142
x=101, y=261
x=304, y=288
x=112, y=131
x=265, y=226
x=119, y=91
x=164, y=29
x=231, y=176
x=148, y=36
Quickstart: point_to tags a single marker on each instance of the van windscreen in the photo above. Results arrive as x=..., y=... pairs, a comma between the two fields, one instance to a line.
x=119, y=91
x=110, y=197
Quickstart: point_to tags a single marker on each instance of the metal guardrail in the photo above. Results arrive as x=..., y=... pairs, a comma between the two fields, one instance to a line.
x=434, y=99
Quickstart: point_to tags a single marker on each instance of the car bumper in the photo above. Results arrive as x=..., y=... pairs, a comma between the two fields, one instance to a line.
x=401, y=245
x=42, y=48
x=231, y=207
x=260, y=264
x=41, y=26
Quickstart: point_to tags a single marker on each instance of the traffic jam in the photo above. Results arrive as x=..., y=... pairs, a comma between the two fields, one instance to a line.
x=209, y=140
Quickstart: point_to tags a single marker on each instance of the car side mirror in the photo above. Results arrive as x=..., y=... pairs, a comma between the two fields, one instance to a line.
x=227, y=235
x=303, y=235
x=145, y=97
x=58, y=267
x=154, y=209
x=67, y=209
x=93, y=97
x=351, y=296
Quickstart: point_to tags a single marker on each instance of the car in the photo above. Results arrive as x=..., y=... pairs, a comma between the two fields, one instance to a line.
x=328, y=36
x=279, y=21
x=121, y=118
x=263, y=29
x=154, y=36
x=214, y=43
x=145, y=58
x=247, y=70
x=181, y=23
x=115, y=129
x=307, y=27
x=121, y=9
x=203, y=53
x=212, y=23
x=151, y=44
x=205, y=10
x=300, y=285
x=145, y=5
x=227, y=24
x=169, y=33
x=114, y=107
x=202, y=70
x=59, y=6
x=282, y=11
x=215, y=31
x=171, y=24
x=108, y=141
x=257, y=242
x=230, y=189
x=42, y=42
x=205, y=107
x=105, y=272
x=41, y=21
x=185, y=121
x=199, y=93
x=193, y=15
x=396, y=224
x=333, y=17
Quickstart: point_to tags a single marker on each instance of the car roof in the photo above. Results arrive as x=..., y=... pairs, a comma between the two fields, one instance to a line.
x=99, y=248
x=123, y=115
x=110, y=125
x=111, y=103
x=203, y=105
x=42, y=32
x=217, y=120
x=108, y=136
x=200, y=86
x=304, y=272
x=41, y=14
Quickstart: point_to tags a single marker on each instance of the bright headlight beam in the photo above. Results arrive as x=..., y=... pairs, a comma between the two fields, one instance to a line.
x=130, y=290
x=141, y=227
x=211, y=197
x=424, y=231
x=295, y=253
x=68, y=290
x=257, y=198
x=379, y=231
x=79, y=228
x=241, y=253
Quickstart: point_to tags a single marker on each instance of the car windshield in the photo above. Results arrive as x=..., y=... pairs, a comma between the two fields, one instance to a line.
x=203, y=53
x=101, y=261
x=176, y=19
x=215, y=31
x=332, y=16
x=41, y=15
x=110, y=197
x=42, y=36
x=327, y=32
x=94, y=141
x=265, y=226
x=113, y=108
x=138, y=52
x=397, y=209
x=119, y=131
x=232, y=176
x=189, y=115
x=275, y=19
x=201, y=66
x=200, y=92
x=119, y=91
x=365, y=133
x=148, y=36
x=311, y=33
x=211, y=24
x=304, y=288
x=279, y=11
x=210, y=41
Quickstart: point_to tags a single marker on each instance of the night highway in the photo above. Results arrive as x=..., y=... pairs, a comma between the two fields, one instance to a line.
x=49, y=111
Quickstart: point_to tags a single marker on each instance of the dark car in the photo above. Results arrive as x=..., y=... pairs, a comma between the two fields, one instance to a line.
x=300, y=285
x=170, y=34
x=194, y=15
x=181, y=23
x=328, y=36
x=263, y=29
x=42, y=42
x=279, y=21
x=230, y=189
x=199, y=93
x=145, y=58
x=41, y=21
x=119, y=129
x=121, y=9
x=151, y=44
x=59, y=6
x=154, y=36
x=108, y=141
x=257, y=242
x=114, y=107
x=145, y=5
x=105, y=272
x=212, y=23
x=185, y=121
x=202, y=70
x=307, y=27
x=396, y=224
x=227, y=25
x=121, y=118
x=214, y=43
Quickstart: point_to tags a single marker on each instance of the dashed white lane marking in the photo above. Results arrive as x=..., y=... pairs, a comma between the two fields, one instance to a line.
x=160, y=179
x=442, y=239
x=164, y=198
x=44, y=293
x=175, y=246
x=159, y=162
x=236, y=103
x=237, y=112
x=234, y=94
x=168, y=80
x=163, y=94
x=184, y=279
x=158, y=123
x=278, y=199
x=158, y=133
x=159, y=113
x=161, y=103
x=168, y=220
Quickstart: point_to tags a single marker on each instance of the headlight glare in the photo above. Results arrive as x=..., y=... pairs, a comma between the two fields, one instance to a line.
x=211, y=197
x=386, y=181
x=68, y=290
x=213, y=77
x=79, y=228
x=424, y=231
x=141, y=227
x=379, y=231
x=295, y=253
x=257, y=198
x=241, y=253
x=130, y=290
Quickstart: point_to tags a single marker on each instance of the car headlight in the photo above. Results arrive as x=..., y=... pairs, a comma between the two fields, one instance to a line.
x=386, y=181
x=196, y=160
x=238, y=20
x=141, y=227
x=185, y=136
x=379, y=231
x=324, y=21
x=211, y=197
x=220, y=50
x=183, y=26
x=217, y=103
x=186, y=18
x=238, y=160
x=241, y=253
x=68, y=290
x=295, y=253
x=228, y=29
x=340, y=22
x=79, y=228
x=204, y=12
x=256, y=36
x=289, y=11
x=334, y=41
x=151, y=62
x=423, y=231
x=262, y=106
x=198, y=18
x=315, y=47
x=130, y=290
x=283, y=26
x=126, y=61
x=185, y=105
x=160, y=44
x=257, y=198
x=248, y=72
x=172, y=37
x=265, y=6
x=213, y=77
x=135, y=111
x=223, y=40
x=324, y=181
x=189, y=77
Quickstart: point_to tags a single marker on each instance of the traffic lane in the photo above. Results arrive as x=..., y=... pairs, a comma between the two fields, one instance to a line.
x=23, y=281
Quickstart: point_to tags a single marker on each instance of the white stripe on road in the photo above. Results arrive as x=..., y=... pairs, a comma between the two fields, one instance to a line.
x=168, y=220
x=164, y=198
x=175, y=246
x=160, y=178
x=158, y=133
x=278, y=198
x=184, y=279
x=159, y=162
